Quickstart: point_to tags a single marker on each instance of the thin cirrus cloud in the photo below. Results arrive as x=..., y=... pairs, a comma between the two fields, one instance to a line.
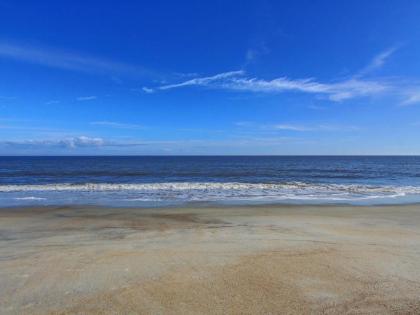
x=295, y=127
x=68, y=60
x=51, y=102
x=86, y=98
x=238, y=81
x=336, y=90
x=378, y=61
x=119, y=125
x=322, y=127
x=413, y=97
x=203, y=81
x=292, y=127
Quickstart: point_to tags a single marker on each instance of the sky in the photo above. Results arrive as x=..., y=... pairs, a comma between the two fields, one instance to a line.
x=209, y=77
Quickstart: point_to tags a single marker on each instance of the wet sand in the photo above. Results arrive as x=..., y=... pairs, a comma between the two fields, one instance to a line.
x=201, y=260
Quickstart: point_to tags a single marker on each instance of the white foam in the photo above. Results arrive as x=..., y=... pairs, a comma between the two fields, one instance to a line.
x=29, y=198
x=215, y=191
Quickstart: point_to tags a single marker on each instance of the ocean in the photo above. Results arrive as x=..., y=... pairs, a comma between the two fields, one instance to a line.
x=177, y=180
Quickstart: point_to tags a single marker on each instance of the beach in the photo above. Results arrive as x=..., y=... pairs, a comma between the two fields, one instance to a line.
x=202, y=259
x=209, y=157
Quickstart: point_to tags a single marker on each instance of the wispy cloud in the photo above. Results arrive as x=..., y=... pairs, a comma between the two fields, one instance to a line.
x=254, y=53
x=51, y=102
x=113, y=124
x=319, y=127
x=82, y=141
x=202, y=81
x=297, y=127
x=67, y=60
x=336, y=91
x=147, y=90
x=412, y=97
x=86, y=98
x=237, y=80
x=291, y=127
x=356, y=86
x=186, y=74
x=377, y=62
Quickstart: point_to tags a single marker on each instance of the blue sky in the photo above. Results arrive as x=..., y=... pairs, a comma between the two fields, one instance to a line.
x=215, y=77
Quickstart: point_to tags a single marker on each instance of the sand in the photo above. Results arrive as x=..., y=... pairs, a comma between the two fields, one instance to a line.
x=210, y=260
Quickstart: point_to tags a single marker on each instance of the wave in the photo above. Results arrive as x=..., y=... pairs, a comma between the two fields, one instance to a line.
x=235, y=190
x=29, y=198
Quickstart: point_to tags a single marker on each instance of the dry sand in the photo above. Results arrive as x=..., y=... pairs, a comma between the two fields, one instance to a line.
x=198, y=260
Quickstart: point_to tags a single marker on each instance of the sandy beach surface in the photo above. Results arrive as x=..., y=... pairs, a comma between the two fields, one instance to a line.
x=210, y=260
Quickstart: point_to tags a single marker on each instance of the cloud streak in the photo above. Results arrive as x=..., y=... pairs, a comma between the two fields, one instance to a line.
x=202, y=81
x=238, y=81
x=337, y=91
x=412, y=97
x=51, y=102
x=86, y=98
x=355, y=86
x=113, y=124
x=296, y=127
x=320, y=127
x=377, y=62
x=68, y=60
x=291, y=127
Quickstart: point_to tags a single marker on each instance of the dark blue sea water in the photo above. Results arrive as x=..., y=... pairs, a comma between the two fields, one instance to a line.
x=159, y=181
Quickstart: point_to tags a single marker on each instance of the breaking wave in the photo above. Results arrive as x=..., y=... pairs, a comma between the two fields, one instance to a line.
x=211, y=191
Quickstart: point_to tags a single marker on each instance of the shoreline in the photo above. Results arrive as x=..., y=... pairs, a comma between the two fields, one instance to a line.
x=208, y=193
x=212, y=260
x=208, y=205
